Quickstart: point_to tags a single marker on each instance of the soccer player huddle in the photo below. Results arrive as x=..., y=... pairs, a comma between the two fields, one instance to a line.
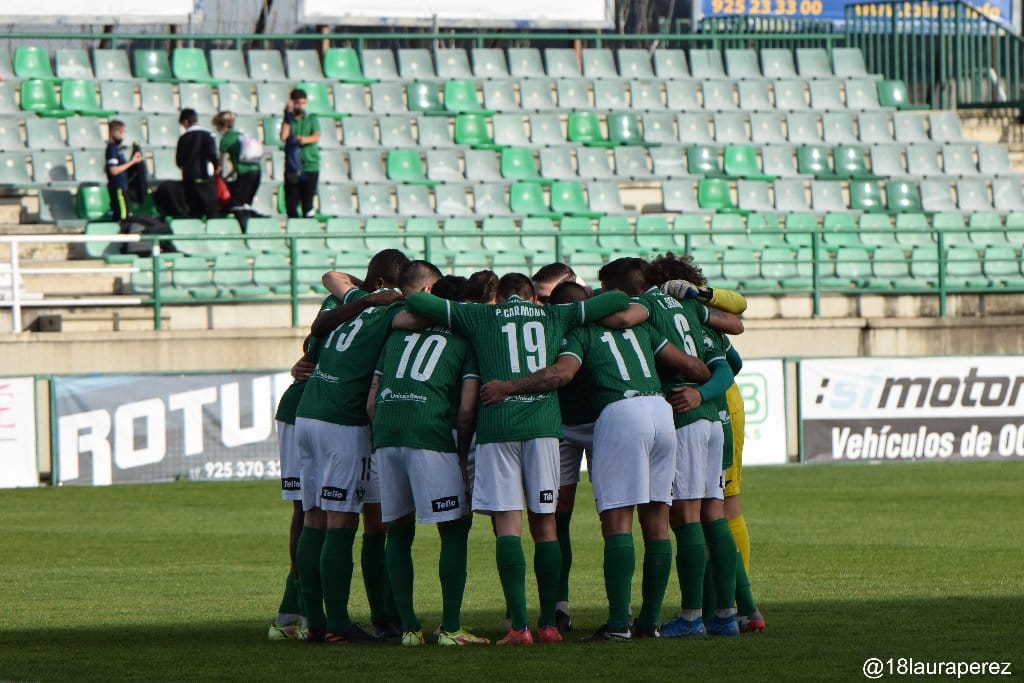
x=428, y=397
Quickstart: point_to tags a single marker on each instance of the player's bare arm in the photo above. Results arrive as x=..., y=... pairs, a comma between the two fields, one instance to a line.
x=544, y=380
x=685, y=399
x=632, y=316
x=327, y=321
x=466, y=421
x=339, y=284
x=302, y=369
x=693, y=369
x=407, y=321
x=727, y=323
x=371, y=398
x=720, y=380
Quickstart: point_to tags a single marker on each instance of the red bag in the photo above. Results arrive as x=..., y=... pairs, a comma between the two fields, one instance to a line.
x=223, y=193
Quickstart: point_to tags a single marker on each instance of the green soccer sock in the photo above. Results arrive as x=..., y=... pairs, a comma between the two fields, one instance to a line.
x=451, y=569
x=375, y=578
x=512, y=571
x=547, y=565
x=336, y=575
x=722, y=551
x=657, y=570
x=691, y=556
x=562, y=520
x=307, y=560
x=709, y=604
x=290, y=600
x=619, y=563
x=744, y=595
x=398, y=556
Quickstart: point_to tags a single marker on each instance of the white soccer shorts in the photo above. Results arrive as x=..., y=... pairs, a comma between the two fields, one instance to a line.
x=343, y=475
x=634, y=453
x=699, y=461
x=507, y=470
x=288, y=451
x=575, y=440
x=427, y=482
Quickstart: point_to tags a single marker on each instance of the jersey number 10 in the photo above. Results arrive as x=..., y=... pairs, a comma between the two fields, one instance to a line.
x=426, y=360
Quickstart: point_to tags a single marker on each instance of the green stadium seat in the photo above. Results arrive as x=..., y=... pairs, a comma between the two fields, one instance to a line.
x=228, y=66
x=461, y=235
x=993, y=159
x=229, y=230
x=754, y=195
x=893, y=93
x=958, y=159
x=779, y=267
x=730, y=127
x=118, y=96
x=380, y=65
x=848, y=161
x=862, y=94
x=765, y=228
x=418, y=231
x=853, y=267
x=527, y=198
x=755, y=95
x=83, y=133
x=303, y=65
x=189, y=64
x=413, y=200
x=703, y=160
x=679, y=196
x=890, y=267
x=556, y=163
x=472, y=130
x=432, y=132
x=234, y=274
x=865, y=195
x=335, y=200
x=986, y=229
x=266, y=65
x=654, y=235
x=777, y=63
x=682, y=96
x=604, y=197
x=729, y=230
x=585, y=128
x=827, y=196
x=342, y=64
x=742, y=63
x=791, y=94
x=405, y=166
x=671, y=64
x=163, y=130
x=366, y=166
x=848, y=62
x=9, y=98
x=799, y=227
x=767, y=128
x=814, y=160
x=779, y=160
x=345, y=234
x=50, y=168
x=40, y=97
x=387, y=98
x=791, y=195
x=97, y=250
x=876, y=230
x=318, y=100
x=574, y=93
x=111, y=64
x=719, y=95
x=964, y=269
x=599, y=63
x=460, y=96
x=269, y=227
x=802, y=128
x=739, y=264
x=713, y=193
x=450, y=199
x=875, y=127
x=608, y=94
x=43, y=134
x=272, y=133
x=482, y=165
x=489, y=199
x=740, y=161
x=416, y=63
x=634, y=63
x=567, y=198
x=32, y=62
x=92, y=202
x=332, y=167
x=164, y=165
x=198, y=96
x=158, y=98
x=500, y=95
x=668, y=161
x=1008, y=194
x=423, y=97
x=624, y=129
x=826, y=95
x=192, y=277
x=691, y=231
x=235, y=97
x=350, y=99
x=706, y=63
x=151, y=65
x=141, y=282
x=813, y=62
x=615, y=235
x=973, y=195
x=944, y=126
x=73, y=63
x=937, y=195
x=561, y=63
x=888, y=160
x=1002, y=265
x=308, y=233
x=525, y=62
x=838, y=128
x=489, y=63
x=517, y=164
x=950, y=225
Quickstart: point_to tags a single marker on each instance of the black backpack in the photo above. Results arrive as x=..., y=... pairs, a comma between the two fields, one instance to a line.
x=145, y=225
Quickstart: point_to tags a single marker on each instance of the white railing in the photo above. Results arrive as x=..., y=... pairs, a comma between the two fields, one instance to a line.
x=19, y=299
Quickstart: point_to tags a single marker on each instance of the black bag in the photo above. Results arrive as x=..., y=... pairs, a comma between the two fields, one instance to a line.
x=243, y=216
x=145, y=225
x=138, y=184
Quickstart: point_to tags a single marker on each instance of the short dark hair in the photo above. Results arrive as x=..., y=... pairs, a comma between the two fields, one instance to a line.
x=450, y=287
x=515, y=284
x=298, y=94
x=628, y=274
x=385, y=266
x=115, y=124
x=568, y=293
x=482, y=287
x=557, y=272
x=188, y=117
x=417, y=274
x=669, y=266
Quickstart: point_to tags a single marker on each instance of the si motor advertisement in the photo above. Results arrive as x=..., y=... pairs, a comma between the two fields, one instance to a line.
x=906, y=409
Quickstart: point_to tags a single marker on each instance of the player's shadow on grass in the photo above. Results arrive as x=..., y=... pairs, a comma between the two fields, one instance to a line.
x=812, y=640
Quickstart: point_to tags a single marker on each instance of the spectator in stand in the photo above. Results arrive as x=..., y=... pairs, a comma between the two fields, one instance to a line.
x=300, y=133
x=117, y=166
x=247, y=174
x=197, y=159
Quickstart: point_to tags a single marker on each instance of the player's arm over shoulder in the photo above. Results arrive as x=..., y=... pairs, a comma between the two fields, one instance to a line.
x=631, y=316
x=726, y=323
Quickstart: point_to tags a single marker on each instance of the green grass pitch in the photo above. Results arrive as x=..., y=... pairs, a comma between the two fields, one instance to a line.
x=178, y=582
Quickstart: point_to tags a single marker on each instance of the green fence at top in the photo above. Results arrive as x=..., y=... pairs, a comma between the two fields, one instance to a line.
x=949, y=53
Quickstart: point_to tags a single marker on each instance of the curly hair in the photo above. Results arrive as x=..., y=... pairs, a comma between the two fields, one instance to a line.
x=482, y=287
x=669, y=266
x=451, y=287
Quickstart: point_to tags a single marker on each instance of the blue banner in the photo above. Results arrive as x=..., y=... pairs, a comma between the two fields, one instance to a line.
x=834, y=10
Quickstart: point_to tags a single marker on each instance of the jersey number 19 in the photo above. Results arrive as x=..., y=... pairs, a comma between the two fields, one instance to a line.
x=533, y=345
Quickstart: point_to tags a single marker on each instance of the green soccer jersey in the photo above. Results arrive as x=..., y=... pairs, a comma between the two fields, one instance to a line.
x=618, y=364
x=304, y=126
x=421, y=375
x=293, y=394
x=711, y=408
x=336, y=391
x=231, y=144
x=513, y=339
x=574, y=402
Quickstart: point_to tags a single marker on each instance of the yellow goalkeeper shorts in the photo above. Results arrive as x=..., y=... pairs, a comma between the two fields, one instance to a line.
x=734, y=475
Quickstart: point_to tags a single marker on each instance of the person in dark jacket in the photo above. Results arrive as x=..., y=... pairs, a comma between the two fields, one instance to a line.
x=197, y=159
